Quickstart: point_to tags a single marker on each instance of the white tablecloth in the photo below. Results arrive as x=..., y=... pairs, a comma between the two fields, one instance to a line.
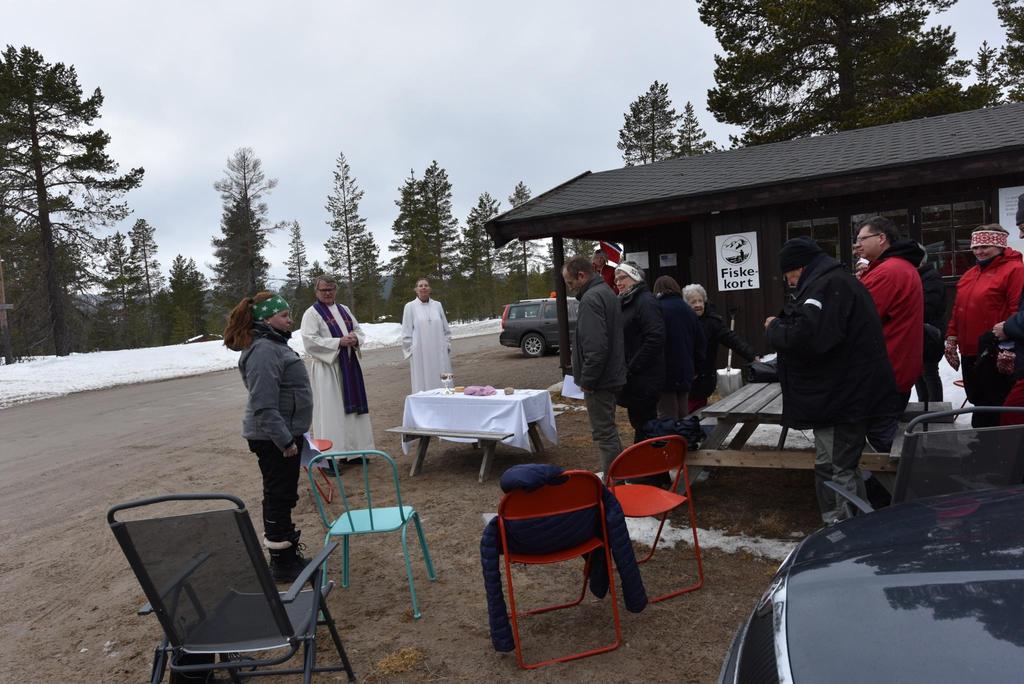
x=499, y=413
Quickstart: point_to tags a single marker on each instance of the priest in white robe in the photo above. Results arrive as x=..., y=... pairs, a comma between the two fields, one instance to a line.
x=332, y=335
x=426, y=339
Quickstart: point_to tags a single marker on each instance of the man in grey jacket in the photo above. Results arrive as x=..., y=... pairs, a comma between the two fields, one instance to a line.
x=598, y=353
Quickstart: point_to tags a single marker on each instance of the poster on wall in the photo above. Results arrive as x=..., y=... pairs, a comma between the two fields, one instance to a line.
x=1007, y=214
x=736, y=258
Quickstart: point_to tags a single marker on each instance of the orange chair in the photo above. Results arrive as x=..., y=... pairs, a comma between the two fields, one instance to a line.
x=582, y=490
x=323, y=445
x=652, y=457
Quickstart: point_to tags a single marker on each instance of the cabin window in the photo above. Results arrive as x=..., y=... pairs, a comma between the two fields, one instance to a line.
x=900, y=217
x=824, y=231
x=946, y=234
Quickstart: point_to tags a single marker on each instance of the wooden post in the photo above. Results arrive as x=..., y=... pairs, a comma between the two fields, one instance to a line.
x=561, y=306
x=5, y=333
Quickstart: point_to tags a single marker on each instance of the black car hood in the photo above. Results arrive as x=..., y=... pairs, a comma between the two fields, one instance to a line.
x=926, y=591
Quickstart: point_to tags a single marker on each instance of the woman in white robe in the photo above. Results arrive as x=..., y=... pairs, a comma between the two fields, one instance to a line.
x=347, y=431
x=426, y=339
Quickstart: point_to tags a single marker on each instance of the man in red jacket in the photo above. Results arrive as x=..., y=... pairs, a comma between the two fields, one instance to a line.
x=895, y=286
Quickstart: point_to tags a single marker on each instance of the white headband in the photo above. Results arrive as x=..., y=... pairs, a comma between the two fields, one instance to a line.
x=634, y=273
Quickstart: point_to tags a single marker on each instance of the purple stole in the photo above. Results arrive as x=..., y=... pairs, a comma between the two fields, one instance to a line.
x=352, y=389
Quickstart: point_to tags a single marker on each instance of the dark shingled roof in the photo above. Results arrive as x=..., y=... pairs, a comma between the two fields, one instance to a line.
x=963, y=134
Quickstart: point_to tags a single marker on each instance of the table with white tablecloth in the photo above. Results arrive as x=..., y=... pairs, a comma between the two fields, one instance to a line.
x=512, y=413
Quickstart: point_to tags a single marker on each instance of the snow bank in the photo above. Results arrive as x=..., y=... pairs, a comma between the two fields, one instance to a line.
x=45, y=377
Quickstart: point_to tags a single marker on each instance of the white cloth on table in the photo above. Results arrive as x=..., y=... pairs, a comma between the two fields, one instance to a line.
x=426, y=342
x=495, y=413
x=347, y=431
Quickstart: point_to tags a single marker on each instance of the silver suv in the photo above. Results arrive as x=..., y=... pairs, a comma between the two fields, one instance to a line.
x=532, y=325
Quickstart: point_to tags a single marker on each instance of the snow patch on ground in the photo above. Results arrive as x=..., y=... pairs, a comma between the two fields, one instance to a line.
x=642, y=530
x=45, y=377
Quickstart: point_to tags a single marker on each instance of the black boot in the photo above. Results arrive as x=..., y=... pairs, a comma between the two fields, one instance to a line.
x=286, y=559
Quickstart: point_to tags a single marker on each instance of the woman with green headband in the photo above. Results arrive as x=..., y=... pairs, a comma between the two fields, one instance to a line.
x=277, y=415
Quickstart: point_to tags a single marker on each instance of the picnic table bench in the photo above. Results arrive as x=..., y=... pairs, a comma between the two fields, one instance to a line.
x=487, y=440
x=759, y=404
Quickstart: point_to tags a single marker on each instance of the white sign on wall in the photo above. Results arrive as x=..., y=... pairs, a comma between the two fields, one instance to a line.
x=736, y=258
x=1007, y=214
x=666, y=260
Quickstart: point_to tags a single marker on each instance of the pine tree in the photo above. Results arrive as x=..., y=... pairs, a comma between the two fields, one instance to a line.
x=143, y=247
x=240, y=268
x=123, y=281
x=1011, y=58
x=648, y=132
x=409, y=244
x=520, y=255
x=297, y=264
x=439, y=224
x=477, y=267
x=368, y=278
x=793, y=68
x=187, y=292
x=578, y=247
x=315, y=271
x=347, y=226
x=986, y=73
x=691, y=139
x=59, y=182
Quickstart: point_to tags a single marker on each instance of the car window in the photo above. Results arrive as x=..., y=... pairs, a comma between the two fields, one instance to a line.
x=523, y=312
x=551, y=309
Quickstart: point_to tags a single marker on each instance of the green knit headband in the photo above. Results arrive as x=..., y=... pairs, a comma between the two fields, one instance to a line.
x=269, y=307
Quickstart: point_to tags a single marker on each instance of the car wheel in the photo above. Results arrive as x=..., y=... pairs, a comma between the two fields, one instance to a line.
x=532, y=345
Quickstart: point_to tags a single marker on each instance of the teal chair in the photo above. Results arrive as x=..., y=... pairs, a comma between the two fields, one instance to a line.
x=371, y=519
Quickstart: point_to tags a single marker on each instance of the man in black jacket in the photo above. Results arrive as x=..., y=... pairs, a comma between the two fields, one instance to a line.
x=929, y=386
x=833, y=366
x=598, y=356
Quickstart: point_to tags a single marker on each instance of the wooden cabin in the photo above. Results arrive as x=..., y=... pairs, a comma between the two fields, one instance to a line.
x=719, y=219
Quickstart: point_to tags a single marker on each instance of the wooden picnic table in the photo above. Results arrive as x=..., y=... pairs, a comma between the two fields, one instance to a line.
x=759, y=404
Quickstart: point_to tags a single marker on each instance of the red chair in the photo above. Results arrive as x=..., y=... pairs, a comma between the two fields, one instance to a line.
x=323, y=445
x=650, y=458
x=582, y=490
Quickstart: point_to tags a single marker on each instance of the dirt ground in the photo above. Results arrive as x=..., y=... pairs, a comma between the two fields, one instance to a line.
x=69, y=598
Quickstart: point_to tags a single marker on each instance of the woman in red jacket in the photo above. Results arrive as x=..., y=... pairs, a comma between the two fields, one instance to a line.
x=987, y=294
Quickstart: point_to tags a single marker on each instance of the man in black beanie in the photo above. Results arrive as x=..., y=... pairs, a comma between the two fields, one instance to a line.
x=835, y=372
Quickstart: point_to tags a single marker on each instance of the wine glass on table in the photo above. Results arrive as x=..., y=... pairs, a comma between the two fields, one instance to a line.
x=448, y=382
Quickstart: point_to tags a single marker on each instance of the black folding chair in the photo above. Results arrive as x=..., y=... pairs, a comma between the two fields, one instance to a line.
x=947, y=457
x=209, y=586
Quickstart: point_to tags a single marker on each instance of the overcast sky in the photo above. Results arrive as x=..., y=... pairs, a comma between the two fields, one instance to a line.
x=495, y=92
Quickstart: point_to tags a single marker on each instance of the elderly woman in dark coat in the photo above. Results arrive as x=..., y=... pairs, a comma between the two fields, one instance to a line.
x=685, y=346
x=715, y=332
x=644, y=334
